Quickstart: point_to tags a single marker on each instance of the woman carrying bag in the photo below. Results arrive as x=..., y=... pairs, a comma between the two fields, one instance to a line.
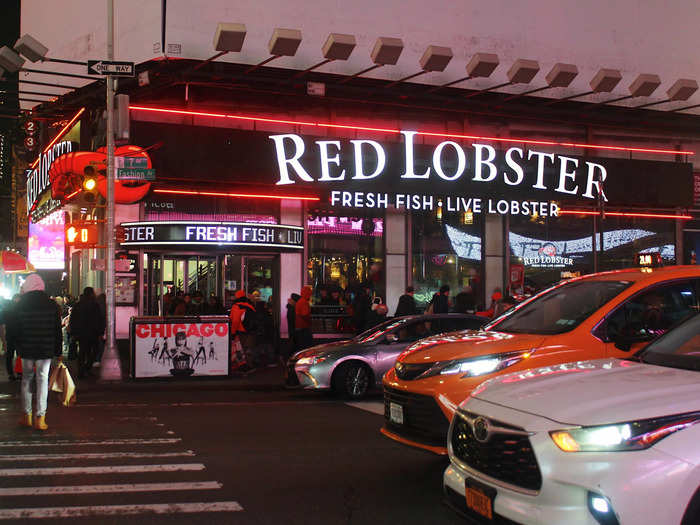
x=34, y=332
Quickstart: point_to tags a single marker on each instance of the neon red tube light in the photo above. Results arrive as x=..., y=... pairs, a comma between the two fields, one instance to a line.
x=422, y=133
x=627, y=214
x=239, y=195
x=69, y=197
x=60, y=134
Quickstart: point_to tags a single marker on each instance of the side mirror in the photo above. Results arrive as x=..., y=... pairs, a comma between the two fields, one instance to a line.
x=392, y=338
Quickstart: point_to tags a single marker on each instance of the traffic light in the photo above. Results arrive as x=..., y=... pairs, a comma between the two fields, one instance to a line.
x=81, y=235
x=90, y=192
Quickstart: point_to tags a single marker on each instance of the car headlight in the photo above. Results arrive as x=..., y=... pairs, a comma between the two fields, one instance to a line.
x=477, y=366
x=633, y=435
x=312, y=360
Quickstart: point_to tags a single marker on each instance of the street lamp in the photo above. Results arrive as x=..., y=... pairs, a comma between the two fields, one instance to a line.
x=386, y=52
x=434, y=59
x=481, y=65
x=521, y=72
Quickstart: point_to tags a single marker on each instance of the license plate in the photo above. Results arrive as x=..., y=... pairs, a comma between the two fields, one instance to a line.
x=479, y=499
x=396, y=413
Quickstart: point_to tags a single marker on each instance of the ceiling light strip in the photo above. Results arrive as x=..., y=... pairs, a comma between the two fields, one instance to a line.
x=627, y=214
x=238, y=195
x=423, y=133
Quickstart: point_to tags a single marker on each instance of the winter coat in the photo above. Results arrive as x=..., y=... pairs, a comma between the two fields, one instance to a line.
x=240, y=306
x=441, y=304
x=406, y=306
x=86, y=320
x=302, y=310
x=34, y=327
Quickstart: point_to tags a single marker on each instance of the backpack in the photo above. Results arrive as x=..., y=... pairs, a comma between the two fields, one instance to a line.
x=249, y=320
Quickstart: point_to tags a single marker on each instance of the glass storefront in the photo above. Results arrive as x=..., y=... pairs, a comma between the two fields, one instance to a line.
x=345, y=253
x=625, y=237
x=446, y=251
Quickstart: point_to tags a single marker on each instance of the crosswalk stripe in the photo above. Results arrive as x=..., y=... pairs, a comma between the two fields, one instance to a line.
x=154, y=441
x=375, y=407
x=119, y=510
x=97, y=455
x=103, y=489
x=114, y=469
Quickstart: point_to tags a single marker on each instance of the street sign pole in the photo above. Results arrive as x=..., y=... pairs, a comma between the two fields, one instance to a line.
x=110, y=369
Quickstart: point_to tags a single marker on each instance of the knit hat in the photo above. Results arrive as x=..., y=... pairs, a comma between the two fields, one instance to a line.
x=32, y=283
x=239, y=294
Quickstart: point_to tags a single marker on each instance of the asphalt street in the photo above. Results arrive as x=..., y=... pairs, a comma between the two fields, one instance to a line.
x=207, y=455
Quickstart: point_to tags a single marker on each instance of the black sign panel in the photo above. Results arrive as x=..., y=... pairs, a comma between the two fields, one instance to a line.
x=457, y=168
x=183, y=233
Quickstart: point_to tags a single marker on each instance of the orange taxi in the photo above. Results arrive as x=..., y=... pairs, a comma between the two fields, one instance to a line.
x=608, y=314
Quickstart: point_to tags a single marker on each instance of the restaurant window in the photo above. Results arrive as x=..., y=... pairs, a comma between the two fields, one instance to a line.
x=446, y=251
x=549, y=249
x=345, y=253
x=626, y=237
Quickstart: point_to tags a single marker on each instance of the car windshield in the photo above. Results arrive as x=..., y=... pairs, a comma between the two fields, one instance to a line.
x=378, y=331
x=560, y=308
x=677, y=348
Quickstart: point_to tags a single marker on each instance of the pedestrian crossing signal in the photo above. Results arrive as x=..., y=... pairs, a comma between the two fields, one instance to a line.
x=81, y=235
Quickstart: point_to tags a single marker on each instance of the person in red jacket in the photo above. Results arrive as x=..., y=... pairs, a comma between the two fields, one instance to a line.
x=302, y=320
x=242, y=316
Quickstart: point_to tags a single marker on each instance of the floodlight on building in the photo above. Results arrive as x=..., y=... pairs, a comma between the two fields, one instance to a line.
x=604, y=81
x=643, y=86
x=561, y=75
x=31, y=48
x=229, y=37
x=434, y=59
x=10, y=61
x=386, y=52
x=481, y=65
x=521, y=72
x=337, y=46
x=682, y=89
x=283, y=43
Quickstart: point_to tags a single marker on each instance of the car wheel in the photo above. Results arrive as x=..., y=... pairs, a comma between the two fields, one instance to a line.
x=692, y=513
x=352, y=380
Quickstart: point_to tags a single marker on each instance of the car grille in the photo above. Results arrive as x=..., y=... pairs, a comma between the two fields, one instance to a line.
x=506, y=457
x=459, y=503
x=407, y=371
x=424, y=422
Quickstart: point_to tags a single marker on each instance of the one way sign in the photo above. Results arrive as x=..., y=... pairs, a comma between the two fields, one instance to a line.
x=110, y=67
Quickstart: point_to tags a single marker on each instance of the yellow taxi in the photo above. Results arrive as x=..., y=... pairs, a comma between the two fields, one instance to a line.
x=608, y=314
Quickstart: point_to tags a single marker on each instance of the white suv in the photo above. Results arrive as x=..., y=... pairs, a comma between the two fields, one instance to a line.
x=606, y=442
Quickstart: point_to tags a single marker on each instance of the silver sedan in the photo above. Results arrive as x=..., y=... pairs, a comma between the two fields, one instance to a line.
x=353, y=366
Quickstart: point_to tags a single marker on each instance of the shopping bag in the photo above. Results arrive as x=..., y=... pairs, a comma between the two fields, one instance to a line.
x=63, y=383
x=18, y=365
x=53, y=379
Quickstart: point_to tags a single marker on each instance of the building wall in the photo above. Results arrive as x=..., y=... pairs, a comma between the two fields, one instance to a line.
x=635, y=37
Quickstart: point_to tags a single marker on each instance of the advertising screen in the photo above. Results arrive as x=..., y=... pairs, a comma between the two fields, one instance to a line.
x=46, y=242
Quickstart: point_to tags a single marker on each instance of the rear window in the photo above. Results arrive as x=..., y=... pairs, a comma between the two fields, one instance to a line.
x=561, y=308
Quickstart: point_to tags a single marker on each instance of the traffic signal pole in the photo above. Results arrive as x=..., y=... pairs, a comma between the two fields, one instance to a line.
x=110, y=369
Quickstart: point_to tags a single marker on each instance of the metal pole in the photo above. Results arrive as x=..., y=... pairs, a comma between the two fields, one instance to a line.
x=111, y=365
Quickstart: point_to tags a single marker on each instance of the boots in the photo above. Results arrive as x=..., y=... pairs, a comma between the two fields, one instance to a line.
x=26, y=420
x=40, y=423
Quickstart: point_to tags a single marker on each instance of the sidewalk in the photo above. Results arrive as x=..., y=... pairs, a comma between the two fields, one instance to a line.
x=260, y=380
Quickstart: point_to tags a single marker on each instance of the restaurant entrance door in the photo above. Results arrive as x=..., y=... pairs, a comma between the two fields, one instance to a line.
x=180, y=274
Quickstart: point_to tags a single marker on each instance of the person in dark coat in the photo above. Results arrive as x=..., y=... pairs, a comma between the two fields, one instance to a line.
x=361, y=308
x=464, y=301
x=441, y=300
x=407, y=304
x=291, y=316
x=87, y=324
x=34, y=332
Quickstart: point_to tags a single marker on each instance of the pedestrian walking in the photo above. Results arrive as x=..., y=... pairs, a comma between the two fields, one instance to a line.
x=102, y=303
x=407, y=304
x=87, y=325
x=465, y=301
x=302, y=320
x=243, y=317
x=34, y=332
x=291, y=318
x=9, y=354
